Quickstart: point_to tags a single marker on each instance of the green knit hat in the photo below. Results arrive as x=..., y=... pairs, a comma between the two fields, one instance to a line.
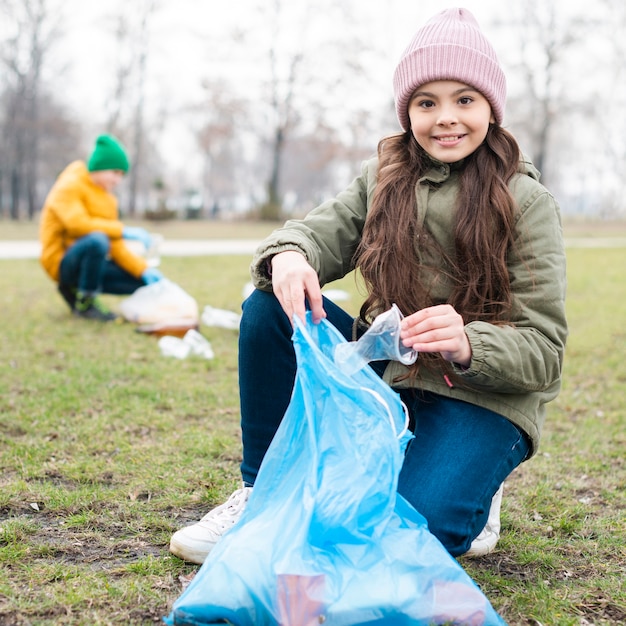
x=109, y=154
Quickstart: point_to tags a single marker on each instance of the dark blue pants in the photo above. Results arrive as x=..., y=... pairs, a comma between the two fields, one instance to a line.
x=86, y=267
x=459, y=457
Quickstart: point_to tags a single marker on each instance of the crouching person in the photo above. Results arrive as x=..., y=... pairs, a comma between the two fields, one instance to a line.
x=82, y=238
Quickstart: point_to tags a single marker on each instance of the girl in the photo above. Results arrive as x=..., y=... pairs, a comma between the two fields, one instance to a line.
x=450, y=223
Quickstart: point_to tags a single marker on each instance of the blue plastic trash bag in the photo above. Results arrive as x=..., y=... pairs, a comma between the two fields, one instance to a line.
x=325, y=538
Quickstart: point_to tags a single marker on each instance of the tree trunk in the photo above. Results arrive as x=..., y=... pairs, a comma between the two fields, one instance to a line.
x=271, y=210
x=14, y=209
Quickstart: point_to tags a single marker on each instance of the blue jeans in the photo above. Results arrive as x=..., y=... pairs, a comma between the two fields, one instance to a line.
x=459, y=457
x=86, y=267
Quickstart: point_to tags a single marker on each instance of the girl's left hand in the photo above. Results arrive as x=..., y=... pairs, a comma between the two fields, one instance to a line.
x=437, y=329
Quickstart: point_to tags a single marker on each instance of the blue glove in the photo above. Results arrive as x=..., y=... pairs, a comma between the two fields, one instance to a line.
x=137, y=234
x=151, y=275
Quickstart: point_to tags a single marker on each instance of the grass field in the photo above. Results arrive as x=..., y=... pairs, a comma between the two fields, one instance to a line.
x=106, y=448
x=209, y=229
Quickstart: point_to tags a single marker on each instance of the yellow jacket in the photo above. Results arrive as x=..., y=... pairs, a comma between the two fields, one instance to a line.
x=74, y=208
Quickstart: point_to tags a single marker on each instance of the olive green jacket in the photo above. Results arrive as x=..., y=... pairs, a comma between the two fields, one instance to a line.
x=515, y=370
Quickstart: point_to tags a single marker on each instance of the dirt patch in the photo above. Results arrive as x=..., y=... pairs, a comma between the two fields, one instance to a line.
x=603, y=609
x=506, y=567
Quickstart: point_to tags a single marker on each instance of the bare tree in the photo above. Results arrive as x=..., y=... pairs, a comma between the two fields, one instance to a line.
x=281, y=89
x=148, y=9
x=612, y=96
x=547, y=36
x=123, y=73
x=34, y=31
x=282, y=108
x=298, y=91
x=126, y=116
x=220, y=116
x=322, y=160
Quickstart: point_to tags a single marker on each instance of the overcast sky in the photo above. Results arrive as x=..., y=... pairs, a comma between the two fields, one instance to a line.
x=190, y=41
x=183, y=32
x=185, y=48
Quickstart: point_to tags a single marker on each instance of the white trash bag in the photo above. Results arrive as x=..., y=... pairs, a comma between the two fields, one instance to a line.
x=160, y=302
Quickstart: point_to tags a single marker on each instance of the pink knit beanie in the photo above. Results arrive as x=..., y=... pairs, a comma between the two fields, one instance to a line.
x=450, y=46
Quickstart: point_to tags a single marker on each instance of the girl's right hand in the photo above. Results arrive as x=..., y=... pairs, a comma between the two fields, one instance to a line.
x=293, y=280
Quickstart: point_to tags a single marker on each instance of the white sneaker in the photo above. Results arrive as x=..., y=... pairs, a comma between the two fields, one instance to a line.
x=193, y=543
x=489, y=535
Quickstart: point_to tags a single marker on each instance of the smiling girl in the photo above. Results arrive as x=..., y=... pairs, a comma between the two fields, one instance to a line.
x=450, y=223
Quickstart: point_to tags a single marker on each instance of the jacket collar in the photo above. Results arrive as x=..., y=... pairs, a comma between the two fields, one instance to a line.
x=440, y=171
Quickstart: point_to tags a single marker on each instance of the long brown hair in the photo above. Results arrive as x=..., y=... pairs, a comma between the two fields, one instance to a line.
x=399, y=259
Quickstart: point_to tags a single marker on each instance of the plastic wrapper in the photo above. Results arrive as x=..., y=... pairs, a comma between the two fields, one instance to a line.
x=381, y=342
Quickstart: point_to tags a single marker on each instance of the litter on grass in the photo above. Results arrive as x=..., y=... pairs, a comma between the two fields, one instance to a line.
x=220, y=317
x=336, y=295
x=192, y=344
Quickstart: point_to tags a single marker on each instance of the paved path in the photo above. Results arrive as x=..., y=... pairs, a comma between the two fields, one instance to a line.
x=593, y=242
x=174, y=247
x=197, y=247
